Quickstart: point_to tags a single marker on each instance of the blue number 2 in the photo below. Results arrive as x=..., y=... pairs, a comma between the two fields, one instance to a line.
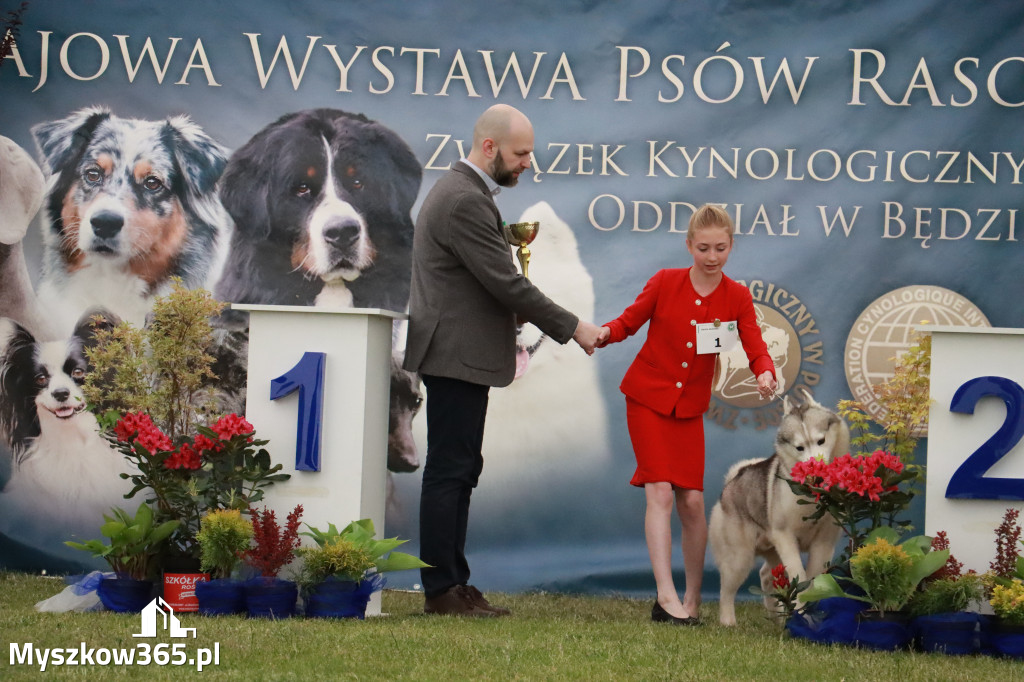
x=308, y=377
x=969, y=480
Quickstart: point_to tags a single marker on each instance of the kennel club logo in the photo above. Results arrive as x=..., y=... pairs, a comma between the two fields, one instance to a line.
x=794, y=342
x=884, y=330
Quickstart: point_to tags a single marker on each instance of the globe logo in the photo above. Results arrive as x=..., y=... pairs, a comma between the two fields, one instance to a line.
x=885, y=330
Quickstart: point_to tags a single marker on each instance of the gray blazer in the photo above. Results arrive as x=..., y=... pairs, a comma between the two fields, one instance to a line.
x=466, y=291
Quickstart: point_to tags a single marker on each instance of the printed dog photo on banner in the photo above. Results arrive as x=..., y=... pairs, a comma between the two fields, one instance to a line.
x=130, y=204
x=316, y=200
x=63, y=475
x=320, y=202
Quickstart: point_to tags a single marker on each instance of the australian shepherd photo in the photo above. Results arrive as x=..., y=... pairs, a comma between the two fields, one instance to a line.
x=130, y=204
x=320, y=200
x=64, y=475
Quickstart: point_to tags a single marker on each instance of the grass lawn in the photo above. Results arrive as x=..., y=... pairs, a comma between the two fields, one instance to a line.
x=548, y=637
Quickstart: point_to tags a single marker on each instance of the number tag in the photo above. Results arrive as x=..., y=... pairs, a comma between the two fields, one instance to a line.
x=717, y=337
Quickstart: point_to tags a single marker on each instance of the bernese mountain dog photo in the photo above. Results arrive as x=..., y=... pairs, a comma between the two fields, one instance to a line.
x=320, y=201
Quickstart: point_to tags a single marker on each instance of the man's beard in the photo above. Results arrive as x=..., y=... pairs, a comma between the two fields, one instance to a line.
x=501, y=174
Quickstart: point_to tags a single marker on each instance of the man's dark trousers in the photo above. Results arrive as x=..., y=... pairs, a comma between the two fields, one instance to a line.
x=456, y=411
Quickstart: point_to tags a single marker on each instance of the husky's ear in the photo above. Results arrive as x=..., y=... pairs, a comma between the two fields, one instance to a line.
x=809, y=399
x=787, y=406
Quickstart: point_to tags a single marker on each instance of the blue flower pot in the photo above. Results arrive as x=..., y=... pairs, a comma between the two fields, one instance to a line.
x=125, y=595
x=221, y=597
x=270, y=598
x=335, y=598
x=887, y=631
x=948, y=633
x=1005, y=639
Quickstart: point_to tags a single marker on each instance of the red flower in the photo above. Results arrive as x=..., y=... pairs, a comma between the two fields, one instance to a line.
x=204, y=444
x=231, y=425
x=139, y=427
x=780, y=580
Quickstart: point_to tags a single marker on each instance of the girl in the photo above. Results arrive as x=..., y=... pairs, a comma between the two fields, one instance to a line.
x=668, y=388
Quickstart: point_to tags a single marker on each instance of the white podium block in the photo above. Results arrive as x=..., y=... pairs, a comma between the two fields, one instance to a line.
x=355, y=344
x=975, y=450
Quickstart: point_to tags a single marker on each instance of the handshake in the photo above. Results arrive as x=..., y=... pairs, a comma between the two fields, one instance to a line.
x=590, y=336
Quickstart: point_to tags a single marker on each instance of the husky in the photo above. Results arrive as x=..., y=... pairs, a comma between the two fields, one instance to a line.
x=758, y=514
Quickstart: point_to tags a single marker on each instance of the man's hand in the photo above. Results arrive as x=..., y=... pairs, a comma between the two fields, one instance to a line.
x=587, y=336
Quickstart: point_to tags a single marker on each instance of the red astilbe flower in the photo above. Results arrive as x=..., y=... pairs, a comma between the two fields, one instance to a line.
x=271, y=548
x=1007, y=539
x=952, y=568
x=780, y=580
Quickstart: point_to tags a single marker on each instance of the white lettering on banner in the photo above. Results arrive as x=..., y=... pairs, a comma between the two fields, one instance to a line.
x=731, y=73
x=825, y=165
x=718, y=78
x=954, y=224
x=922, y=79
x=608, y=212
x=197, y=59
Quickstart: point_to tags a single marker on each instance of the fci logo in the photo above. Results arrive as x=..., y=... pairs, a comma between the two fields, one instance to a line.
x=170, y=621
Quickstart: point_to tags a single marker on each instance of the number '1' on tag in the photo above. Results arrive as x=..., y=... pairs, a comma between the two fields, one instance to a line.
x=712, y=338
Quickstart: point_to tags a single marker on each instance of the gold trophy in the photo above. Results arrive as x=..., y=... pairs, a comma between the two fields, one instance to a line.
x=522, y=234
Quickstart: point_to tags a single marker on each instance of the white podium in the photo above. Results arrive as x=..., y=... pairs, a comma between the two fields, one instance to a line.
x=319, y=379
x=975, y=446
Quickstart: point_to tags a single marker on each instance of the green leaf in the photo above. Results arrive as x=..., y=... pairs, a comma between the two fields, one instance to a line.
x=882, y=532
x=163, y=531
x=399, y=561
x=822, y=587
x=112, y=529
x=928, y=564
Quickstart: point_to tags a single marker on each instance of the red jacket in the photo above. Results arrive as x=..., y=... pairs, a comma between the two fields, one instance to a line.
x=667, y=375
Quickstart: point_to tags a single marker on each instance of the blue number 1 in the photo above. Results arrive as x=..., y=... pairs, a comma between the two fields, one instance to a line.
x=308, y=377
x=969, y=480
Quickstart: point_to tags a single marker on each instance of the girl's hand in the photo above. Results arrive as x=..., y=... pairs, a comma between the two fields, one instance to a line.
x=766, y=385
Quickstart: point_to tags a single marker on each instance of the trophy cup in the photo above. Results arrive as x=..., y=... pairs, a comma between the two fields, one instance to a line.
x=522, y=234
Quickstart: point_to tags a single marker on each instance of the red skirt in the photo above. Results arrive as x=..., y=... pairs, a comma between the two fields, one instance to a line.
x=667, y=448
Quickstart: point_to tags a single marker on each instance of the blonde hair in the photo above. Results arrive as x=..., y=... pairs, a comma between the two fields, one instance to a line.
x=709, y=215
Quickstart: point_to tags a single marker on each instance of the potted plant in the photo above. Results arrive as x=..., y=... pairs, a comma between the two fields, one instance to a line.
x=150, y=388
x=134, y=543
x=340, y=573
x=223, y=538
x=1005, y=583
x=272, y=549
x=941, y=621
x=862, y=493
x=886, y=574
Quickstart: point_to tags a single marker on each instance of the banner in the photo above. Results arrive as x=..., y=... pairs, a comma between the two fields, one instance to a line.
x=868, y=152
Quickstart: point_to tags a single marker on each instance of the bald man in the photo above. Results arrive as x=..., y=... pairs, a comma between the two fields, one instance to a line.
x=466, y=295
